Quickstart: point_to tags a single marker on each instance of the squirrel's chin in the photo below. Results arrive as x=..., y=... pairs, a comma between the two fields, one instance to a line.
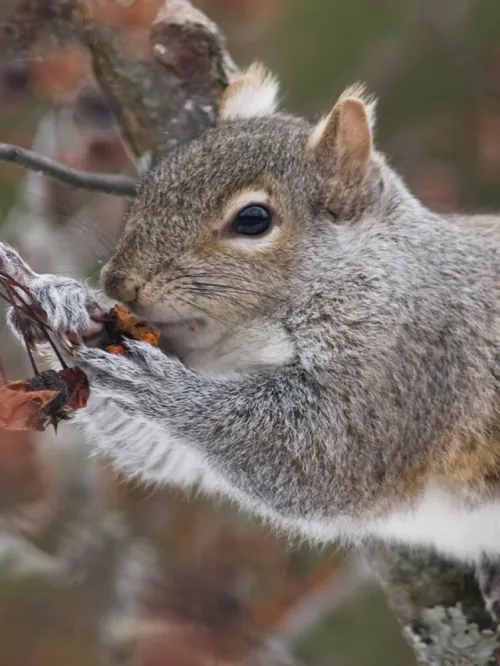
x=188, y=324
x=184, y=333
x=188, y=336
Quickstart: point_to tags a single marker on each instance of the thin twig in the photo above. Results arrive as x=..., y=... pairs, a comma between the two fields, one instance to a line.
x=25, y=308
x=12, y=296
x=19, y=285
x=5, y=278
x=54, y=347
x=32, y=308
x=33, y=311
x=119, y=185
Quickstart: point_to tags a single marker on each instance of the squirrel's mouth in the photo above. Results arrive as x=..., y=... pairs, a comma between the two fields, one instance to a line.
x=177, y=322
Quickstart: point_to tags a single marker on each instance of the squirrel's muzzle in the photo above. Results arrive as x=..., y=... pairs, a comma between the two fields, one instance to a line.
x=120, y=286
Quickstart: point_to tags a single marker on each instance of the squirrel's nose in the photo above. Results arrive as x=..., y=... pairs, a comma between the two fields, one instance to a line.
x=128, y=291
x=121, y=287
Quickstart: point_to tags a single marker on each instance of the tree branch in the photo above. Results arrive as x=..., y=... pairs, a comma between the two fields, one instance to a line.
x=439, y=606
x=164, y=87
x=119, y=185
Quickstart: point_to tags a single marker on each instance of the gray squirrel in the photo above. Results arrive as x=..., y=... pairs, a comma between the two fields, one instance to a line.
x=331, y=354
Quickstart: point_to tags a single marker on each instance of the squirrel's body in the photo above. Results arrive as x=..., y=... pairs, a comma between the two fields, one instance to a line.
x=449, y=503
x=331, y=348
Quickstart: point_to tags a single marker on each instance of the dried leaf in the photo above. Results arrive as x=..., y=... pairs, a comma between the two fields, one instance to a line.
x=47, y=398
x=120, y=325
x=115, y=349
x=78, y=385
x=23, y=409
x=132, y=327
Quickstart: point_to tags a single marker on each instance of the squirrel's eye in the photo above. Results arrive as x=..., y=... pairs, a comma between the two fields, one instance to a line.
x=252, y=221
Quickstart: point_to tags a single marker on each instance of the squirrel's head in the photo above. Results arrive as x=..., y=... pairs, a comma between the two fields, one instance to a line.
x=218, y=226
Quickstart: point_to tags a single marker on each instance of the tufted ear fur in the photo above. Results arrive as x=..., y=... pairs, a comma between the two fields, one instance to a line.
x=342, y=147
x=253, y=94
x=343, y=141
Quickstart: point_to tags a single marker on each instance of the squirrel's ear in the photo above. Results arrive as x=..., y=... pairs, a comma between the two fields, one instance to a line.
x=253, y=94
x=343, y=141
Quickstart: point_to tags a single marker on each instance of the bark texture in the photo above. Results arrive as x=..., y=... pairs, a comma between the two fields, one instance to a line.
x=164, y=89
x=438, y=604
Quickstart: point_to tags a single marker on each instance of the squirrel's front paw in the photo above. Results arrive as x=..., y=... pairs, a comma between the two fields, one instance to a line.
x=110, y=375
x=66, y=306
x=134, y=380
x=70, y=310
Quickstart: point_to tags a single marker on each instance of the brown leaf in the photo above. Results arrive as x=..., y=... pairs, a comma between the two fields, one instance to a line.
x=129, y=325
x=21, y=408
x=120, y=324
x=49, y=397
x=78, y=385
x=115, y=349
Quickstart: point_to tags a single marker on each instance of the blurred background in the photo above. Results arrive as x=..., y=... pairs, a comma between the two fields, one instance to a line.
x=95, y=571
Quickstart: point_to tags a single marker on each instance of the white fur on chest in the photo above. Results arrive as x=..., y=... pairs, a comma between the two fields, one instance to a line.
x=245, y=350
x=442, y=522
